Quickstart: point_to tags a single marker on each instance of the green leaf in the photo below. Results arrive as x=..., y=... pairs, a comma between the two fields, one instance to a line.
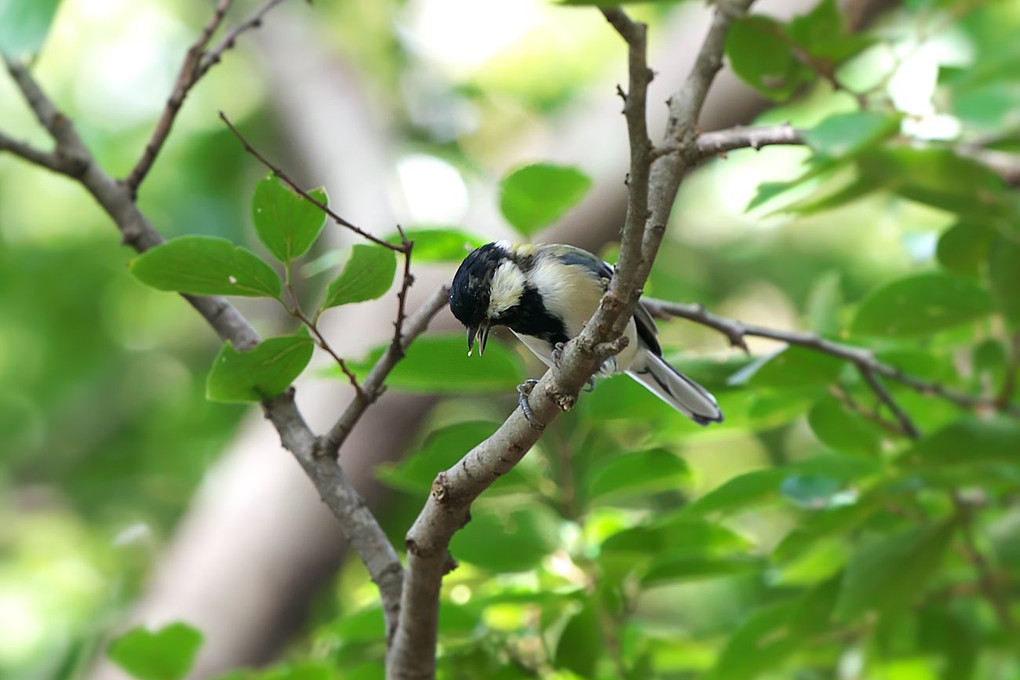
x=842, y=428
x=887, y=573
x=758, y=51
x=641, y=473
x=537, y=195
x=963, y=248
x=761, y=642
x=204, y=265
x=580, y=645
x=792, y=367
x=846, y=134
x=921, y=304
x=823, y=304
x=260, y=373
x=1004, y=273
x=166, y=654
x=680, y=570
x=367, y=275
x=441, y=450
x=437, y=364
x=286, y=223
x=741, y=491
x=24, y=25
x=969, y=441
x=438, y=244
x=675, y=534
x=507, y=541
x=823, y=34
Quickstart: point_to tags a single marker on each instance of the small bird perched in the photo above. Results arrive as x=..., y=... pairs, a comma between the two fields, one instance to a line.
x=545, y=294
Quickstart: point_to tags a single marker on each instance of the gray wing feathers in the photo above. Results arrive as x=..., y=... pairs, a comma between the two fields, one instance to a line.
x=676, y=389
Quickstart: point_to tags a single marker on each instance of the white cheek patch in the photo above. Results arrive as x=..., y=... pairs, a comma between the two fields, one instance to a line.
x=507, y=288
x=569, y=292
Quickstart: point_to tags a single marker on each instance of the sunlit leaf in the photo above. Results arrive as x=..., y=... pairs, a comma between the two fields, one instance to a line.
x=164, y=654
x=203, y=265
x=515, y=540
x=286, y=223
x=537, y=195
x=439, y=364
x=845, y=134
x=24, y=25
x=438, y=244
x=259, y=373
x=367, y=275
x=919, y=304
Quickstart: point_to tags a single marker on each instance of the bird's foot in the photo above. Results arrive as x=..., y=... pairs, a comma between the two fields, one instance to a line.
x=524, y=391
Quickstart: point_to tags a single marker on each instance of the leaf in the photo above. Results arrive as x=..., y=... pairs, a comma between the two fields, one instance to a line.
x=440, y=244
x=1004, y=273
x=260, y=373
x=643, y=473
x=963, y=248
x=537, y=195
x=823, y=304
x=740, y=491
x=921, y=304
x=437, y=364
x=24, y=25
x=969, y=441
x=888, y=572
x=676, y=534
x=441, y=450
x=286, y=223
x=841, y=428
x=367, y=275
x=761, y=642
x=166, y=654
x=791, y=367
x=204, y=265
x=581, y=644
x=846, y=134
x=507, y=541
x=823, y=34
x=761, y=57
x=685, y=569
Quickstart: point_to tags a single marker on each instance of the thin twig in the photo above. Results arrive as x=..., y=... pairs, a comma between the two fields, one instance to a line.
x=906, y=424
x=276, y=170
x=405, y=283
x=719, y=142
x=187, y=76
x=872, y=415
x=213, y=56
x=26, y=151
x=372, y=387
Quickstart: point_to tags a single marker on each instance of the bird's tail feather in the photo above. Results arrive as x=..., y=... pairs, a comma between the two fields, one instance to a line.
x=677, y=390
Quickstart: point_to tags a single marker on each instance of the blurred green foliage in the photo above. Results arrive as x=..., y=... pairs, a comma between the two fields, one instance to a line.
x=806, y=537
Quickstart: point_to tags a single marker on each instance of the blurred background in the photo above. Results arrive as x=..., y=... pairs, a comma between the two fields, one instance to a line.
x=126, y=497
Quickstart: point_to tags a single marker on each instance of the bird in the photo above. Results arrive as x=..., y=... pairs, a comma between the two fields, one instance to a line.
x=545, y=294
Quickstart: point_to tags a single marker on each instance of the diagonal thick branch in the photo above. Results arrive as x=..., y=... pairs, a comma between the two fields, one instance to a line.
x=651, y=193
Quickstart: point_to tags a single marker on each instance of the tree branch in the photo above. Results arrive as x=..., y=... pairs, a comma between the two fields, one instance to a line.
x=721, y=141
x=27, y=152
x=197, y=62
x=736, y=331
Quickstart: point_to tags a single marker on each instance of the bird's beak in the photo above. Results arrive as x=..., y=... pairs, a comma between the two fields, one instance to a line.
x=482, y=331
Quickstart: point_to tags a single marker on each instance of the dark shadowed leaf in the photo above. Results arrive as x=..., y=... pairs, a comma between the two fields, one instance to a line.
x=286, y=223
x=439, y=364
x=682, y=569
x=259, y=373
x=204, y=265
x=537, y=195
x=968, y=441
x=165, y=654
x=367, y=275
x=843, y=429
x=963, y=248
x=888, y=572
x=920, y=304
x=580, y=645
x=643, y=472
x=761, y=56
x=1004, y=272
x=24, y=25
x=437, y=244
